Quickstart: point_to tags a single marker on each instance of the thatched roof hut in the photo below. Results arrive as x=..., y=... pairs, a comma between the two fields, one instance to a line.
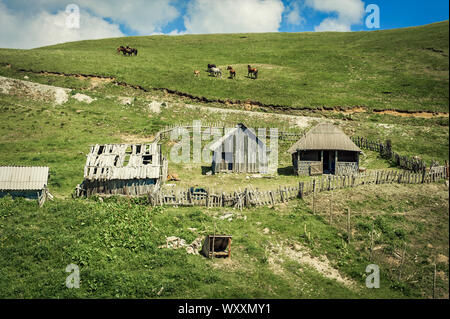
x=325, y=149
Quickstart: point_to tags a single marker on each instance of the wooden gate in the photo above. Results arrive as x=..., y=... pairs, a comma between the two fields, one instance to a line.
x=316, y=169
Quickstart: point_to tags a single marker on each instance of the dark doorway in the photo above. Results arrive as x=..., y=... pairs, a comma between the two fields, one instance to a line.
x=326, y=162
x=329, y=163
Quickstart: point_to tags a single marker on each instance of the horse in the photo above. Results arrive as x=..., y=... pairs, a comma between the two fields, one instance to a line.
x=133, y=51
x=127, y=50
x=210, y=66
x=252, y=71
x=216, y=71
x=196, y=73
x=232, y=72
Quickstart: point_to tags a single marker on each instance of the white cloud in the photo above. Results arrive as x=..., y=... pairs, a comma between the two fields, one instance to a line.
x=293, y=15
x=233, y=16
x=26, y=30
x=143, y=16
x=331, y=24
x=349, y=12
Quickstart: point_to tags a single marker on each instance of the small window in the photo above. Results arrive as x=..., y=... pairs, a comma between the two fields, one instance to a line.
x=147, y=159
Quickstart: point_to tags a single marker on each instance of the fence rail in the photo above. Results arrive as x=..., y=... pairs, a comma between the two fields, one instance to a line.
x=254, y=197
x=414, y=163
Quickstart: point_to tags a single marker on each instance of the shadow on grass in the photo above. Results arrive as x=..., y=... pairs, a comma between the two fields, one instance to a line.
x=286, y=171
x=206, y=169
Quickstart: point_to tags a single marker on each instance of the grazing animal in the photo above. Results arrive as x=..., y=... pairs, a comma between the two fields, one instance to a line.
x=196, y=73
x=215, y=71
x=232, y=72
x=252, y=71
x=133, y=51
x=210, y=66
x=127, y=50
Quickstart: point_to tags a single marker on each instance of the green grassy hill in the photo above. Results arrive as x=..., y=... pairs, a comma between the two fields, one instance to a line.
x=117, y=241
x=403, y=69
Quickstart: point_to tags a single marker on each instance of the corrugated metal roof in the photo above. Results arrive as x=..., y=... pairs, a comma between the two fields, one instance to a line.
x=324, y=136
x=23, y=178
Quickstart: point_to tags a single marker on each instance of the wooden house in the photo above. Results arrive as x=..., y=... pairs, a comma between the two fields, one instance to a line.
x=240, y=151
x=27, y=182
x=325, y=149
x=126, y=169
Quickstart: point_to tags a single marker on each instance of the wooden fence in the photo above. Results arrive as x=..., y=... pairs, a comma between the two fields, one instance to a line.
x=414, y=163
x=254, y=197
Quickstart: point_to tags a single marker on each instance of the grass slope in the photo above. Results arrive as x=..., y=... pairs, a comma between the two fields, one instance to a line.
x=403, y=69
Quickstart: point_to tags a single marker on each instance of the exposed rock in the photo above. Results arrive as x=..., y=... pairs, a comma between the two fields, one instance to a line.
x=155, y=107
x=26, y=77
x=442, y=259
x=227, y=215
x=126, y=100
x=83, y=98
x=173, y=242
x=33, y=90
x=173, y=177
x=195, y=246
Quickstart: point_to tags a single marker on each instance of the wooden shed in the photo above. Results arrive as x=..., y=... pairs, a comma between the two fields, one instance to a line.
x=126, y=169
x=325, y=149
x=239, y=151
x=27, y=182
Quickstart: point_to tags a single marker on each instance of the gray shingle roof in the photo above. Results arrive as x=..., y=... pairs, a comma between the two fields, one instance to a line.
x=23, y=178
x=324, y=136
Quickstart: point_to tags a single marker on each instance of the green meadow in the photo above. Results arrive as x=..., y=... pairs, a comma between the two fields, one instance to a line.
x=403, y=69
x=284, y=251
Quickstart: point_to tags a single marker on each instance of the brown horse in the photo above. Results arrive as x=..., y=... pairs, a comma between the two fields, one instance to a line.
x=252, y=71
x=127, y=50
x=232, y=72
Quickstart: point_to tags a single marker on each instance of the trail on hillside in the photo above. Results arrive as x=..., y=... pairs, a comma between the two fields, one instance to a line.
x=273, y=108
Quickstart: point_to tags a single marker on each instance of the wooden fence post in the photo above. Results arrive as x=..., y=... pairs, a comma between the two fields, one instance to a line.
x=402, y=261
x=314, y=197
x=349, y=231
x=331, y=212
x=300, y=190
x=434, y=282
x=371, y=240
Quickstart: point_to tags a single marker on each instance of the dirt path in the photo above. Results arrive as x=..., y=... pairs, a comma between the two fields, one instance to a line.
x=297, y=252
x=97, y=79
x=298, y=120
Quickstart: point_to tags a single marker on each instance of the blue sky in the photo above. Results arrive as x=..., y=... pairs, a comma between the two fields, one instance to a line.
x=393, y=14
x=28, y=24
